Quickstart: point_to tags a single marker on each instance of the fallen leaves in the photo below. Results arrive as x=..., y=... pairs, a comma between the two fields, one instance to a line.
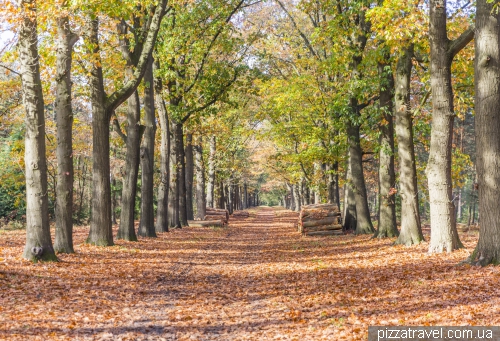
x=258, y=279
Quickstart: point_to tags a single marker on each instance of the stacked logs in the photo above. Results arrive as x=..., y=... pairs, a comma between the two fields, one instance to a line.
x=320, y=220
x=204, y=223
x=241, y=214
x=217, y=214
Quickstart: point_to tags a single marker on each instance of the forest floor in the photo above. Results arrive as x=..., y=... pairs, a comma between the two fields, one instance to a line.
x=257, y=279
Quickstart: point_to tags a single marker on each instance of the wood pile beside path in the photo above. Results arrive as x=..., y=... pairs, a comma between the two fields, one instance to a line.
x=240, y=214
x=204, y=223
x=320, y=220
x=217, y=214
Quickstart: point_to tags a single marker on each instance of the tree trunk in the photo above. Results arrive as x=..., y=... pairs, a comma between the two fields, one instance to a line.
x=363, y=221
x=173, y=196
x=487, y=126
x=222, y=200
x=245, y=196
x=64, y=113
x=411, y=231
x=189, y=176
x=181, y=172
x=38, y=242
x=200, y=180
x=163, y=188
x=211, y=173
x=126, y=230
x=230, y=196
x=114, y=200
x=349, y=215
x=147, y=221
x=100, y=224
x=387, y=204
x=296, y=197
x=444, y=235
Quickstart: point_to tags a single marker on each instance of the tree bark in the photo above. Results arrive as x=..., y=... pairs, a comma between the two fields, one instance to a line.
x=487, y=126
x=363, y=222
x=387, y=204
x=189, y=176
x=211, y=173
x=64, y=115
x=245, y=196
x=444, y=235
x=349, y=216
x=200, y=179
x=173, y=196
x=181, y=172
x=132, y=139
x=38, y=242
x=126, y=230
x=147, y=221
x=163, y=188
x=411, y=231
x=100, y=224
x=296, y=197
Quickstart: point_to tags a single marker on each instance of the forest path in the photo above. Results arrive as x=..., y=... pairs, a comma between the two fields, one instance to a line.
x=257, y=279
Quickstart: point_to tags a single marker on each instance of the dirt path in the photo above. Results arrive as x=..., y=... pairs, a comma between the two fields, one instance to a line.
x=258, y=279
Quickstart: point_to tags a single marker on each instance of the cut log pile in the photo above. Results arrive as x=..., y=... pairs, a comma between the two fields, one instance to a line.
x=217, y=214
x=204, y=223
x=241, y=214
x=320, y=220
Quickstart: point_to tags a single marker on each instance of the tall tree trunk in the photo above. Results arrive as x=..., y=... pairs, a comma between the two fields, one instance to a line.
x=163, y=188
x=38, y=242
x=200, y=179
x=296, y=197
x=147, y=221
x=181, y=172
x=64, y=113
x=411, y=231
x=126, y=230
x=245, y=196
x=444, y=235
x=363, y=221
x=291, y=196
x=222, y=199
x=173, y=196
x=230, y=196
x=114, y=200
x=387, y=205
x=350, y=220
x=211, y=173
x=487, y=126
x=189, y=176
x=100, y=232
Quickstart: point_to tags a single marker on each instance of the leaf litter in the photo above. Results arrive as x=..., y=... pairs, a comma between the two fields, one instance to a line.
x=257, y=279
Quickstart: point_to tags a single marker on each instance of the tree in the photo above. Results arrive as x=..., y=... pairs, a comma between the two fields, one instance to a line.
x=444, y=235
x=411, y=231
x=102, y=108
x=387, y=205
x=147, y=222
x=65, y=174
x=163, y=188
x=38, y=242
x=487, y=102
